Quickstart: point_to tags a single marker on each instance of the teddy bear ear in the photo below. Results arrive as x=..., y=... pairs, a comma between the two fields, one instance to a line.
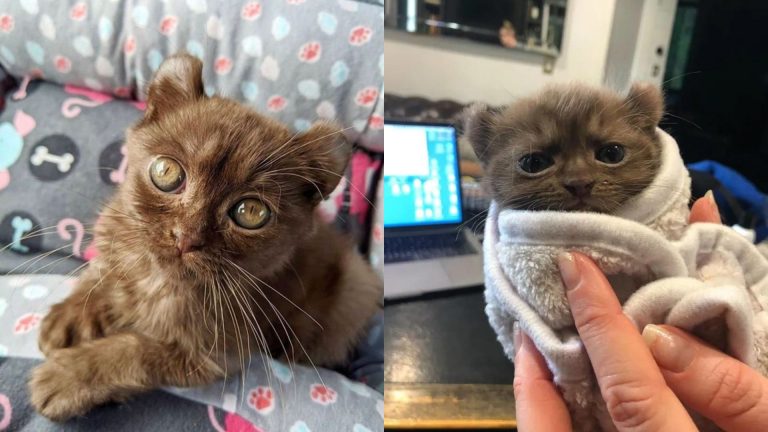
x=646, y=102
x=178, y=80
x=478, y=121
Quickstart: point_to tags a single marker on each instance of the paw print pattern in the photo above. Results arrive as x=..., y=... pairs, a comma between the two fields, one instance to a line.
x=79, y=11
x=378, y=233
x=377, y=122
x=6, y=23
x=310, y=52
x=26, y=323
x=276, y=103
x=367, y=96
x=223, y=65
x=63, y=64
x=168, y=25
x=129, y=47
x=360, y=35
x=322, y=394
x=251, y=11
x=262, y=400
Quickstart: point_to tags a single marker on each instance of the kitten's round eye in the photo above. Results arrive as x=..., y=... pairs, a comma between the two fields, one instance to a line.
x=166, y=174
x=610, y=154
x=535, y=162
x=250, y=213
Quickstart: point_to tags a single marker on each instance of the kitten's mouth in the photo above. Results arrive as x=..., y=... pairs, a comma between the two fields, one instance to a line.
x=583, y=204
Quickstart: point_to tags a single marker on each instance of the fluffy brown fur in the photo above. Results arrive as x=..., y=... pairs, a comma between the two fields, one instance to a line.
x=566, y=127
x=145, y=315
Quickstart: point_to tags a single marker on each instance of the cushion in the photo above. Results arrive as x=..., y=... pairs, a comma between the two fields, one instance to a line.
x=296, y=60
x=273, y=396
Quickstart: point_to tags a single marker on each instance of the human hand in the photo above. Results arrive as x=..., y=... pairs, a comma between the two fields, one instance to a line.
x=643, y=388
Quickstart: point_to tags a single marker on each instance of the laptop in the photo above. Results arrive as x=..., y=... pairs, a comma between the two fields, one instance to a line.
x=426, y=247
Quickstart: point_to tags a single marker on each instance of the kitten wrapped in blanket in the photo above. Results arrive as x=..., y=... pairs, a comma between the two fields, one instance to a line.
x=585, y=169
x=211, y=250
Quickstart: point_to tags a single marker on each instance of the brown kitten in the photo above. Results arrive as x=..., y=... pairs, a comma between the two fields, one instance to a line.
x=209, y=251
x=571, y=147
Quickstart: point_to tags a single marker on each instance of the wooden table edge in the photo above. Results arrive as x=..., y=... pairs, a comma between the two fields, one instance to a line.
x=414, y=406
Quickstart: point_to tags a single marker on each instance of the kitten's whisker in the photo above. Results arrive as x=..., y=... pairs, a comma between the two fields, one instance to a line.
x=683, y=119
x=231, y=287
x=309, y=358
x=349, y=182
x=319, y=192
x=282, y=295
x=267, y=161
x=296, y=149
x=37, y=258
x=255, y=302
x=257, y=332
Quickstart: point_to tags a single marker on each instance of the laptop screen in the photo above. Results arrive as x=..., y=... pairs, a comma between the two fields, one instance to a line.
x=421, y=175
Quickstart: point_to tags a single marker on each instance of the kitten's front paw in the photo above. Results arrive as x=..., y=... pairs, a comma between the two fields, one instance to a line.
x=59, y=388
x=66, y=325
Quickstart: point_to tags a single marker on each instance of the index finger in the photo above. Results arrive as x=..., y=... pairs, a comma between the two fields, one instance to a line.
x=538, y=403
x=634, y=390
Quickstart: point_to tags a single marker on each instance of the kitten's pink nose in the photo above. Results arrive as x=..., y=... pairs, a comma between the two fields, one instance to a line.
x=579, y=187
x=187, y=242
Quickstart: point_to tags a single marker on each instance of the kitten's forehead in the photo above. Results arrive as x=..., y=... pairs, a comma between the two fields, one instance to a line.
x=565, y=111
x=224, y=148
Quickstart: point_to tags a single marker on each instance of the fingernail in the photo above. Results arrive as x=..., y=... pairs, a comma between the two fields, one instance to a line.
x=711, y=200
x=516, y=337
x=569, y=271
x=671, y=351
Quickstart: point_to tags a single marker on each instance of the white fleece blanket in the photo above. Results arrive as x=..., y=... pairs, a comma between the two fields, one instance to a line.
x=703, y=278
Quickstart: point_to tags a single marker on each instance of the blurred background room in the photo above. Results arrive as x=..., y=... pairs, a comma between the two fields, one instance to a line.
x=444, y=367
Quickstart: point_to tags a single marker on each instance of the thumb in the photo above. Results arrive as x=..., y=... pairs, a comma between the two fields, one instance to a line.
x=719, y=387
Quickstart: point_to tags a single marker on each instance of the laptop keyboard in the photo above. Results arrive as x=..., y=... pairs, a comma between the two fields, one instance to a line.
x=421, y=247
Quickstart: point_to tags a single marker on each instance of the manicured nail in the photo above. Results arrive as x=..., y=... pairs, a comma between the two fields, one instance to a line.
x=516, y=337
x=569, y=271
x=671, y=351
x=711, y=200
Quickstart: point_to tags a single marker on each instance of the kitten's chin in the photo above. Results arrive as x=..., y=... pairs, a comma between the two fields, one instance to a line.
x=588, y=205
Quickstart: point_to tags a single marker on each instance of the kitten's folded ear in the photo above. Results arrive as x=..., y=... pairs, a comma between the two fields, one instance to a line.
x=327, y=151
x=478, y=121
x=178, y=80
x=646, y=103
